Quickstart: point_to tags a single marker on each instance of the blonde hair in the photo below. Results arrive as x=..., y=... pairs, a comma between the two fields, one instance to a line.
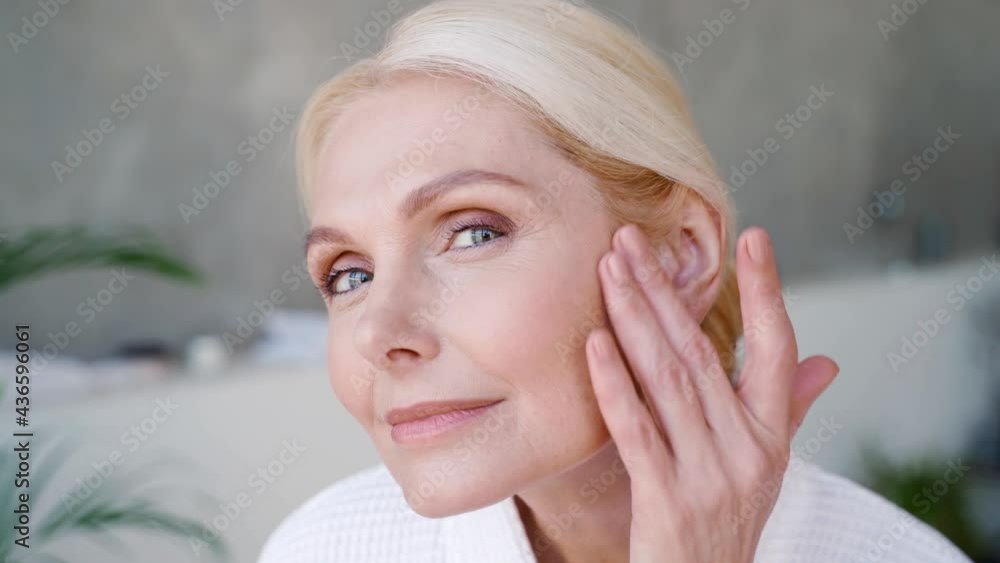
x=601, y=97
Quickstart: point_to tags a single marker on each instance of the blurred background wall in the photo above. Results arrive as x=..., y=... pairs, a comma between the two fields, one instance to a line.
x=862, y=135
x=221, y=81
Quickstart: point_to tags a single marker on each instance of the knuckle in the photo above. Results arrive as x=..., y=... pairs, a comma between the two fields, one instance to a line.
x=639, y=433
x=688, y=391
x=703, y=376
x=669, y=373
x=768, y=288
x=620, y=298
x=648, y=271
x=781, y=456
x=717, y=496
x=778, y=300
x=681, y=516
x=757, y=470
x=699, y=347
x=629, y=305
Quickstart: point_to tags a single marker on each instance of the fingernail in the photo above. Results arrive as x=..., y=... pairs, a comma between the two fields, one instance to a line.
x=617, y=267
x=631, y=242
x=616, y=239
x=599, y=346
x=759, y=246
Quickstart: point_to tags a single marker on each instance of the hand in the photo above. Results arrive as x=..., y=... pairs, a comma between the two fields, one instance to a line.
x=699, y=448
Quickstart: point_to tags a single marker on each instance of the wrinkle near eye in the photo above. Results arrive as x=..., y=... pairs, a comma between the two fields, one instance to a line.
x=315, y=272
x=470, y=225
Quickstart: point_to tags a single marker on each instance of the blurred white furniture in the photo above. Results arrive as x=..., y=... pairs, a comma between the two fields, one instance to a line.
x=237, y=424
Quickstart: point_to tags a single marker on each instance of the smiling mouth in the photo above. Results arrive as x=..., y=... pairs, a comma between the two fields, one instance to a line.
x=420, y=423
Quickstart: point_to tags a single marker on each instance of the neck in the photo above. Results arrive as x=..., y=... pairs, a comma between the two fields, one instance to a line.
x=581, y=515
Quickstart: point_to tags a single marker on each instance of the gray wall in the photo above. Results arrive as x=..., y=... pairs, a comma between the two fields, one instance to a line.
x=226, y=75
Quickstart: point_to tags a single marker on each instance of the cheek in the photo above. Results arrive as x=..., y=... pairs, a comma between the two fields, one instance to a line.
x=351, y=380
x=529, y=329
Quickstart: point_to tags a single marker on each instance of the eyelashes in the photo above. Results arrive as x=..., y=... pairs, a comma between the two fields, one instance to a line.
x=331, y=279
x=476, y=226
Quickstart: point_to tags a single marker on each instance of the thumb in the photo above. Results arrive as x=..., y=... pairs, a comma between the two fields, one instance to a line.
x=812, y=377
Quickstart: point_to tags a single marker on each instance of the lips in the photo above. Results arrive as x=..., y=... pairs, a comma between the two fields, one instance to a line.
x=430, y=408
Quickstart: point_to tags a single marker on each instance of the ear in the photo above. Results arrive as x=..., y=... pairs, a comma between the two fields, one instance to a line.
x=694, y=257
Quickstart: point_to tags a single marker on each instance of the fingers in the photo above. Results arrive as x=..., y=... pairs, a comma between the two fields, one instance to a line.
x=813, y=376
x=722, y=408
x=771, y=352
x=657, y=367
x=639, y=442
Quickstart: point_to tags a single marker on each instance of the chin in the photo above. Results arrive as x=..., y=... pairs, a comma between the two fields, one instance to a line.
x=490, y=460
x=472, y=467
x=439, y=489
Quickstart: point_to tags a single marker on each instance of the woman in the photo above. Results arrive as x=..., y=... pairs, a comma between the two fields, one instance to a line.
x=525, y=255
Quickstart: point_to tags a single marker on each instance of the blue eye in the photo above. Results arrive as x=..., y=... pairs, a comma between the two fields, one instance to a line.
x=339, y=282
x=476, y=234
x=354, y=278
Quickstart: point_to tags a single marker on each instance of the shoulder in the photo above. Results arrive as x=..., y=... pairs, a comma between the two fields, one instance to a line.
x=362, y=517
x=821, y=516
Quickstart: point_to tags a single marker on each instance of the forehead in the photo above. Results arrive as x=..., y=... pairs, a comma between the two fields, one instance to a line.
x=417, y=128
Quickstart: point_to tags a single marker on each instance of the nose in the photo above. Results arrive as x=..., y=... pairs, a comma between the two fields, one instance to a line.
x=391, y=333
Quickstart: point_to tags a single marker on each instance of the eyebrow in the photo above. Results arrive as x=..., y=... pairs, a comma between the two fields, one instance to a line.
x=417, y=200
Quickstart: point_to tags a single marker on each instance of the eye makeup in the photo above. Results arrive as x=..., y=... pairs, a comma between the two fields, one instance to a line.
x=496, y=227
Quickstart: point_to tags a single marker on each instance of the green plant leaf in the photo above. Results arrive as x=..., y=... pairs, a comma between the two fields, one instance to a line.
x=911, y=486
x=43, y=250
x=120, y=501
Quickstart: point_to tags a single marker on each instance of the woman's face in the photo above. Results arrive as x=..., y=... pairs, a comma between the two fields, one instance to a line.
x=484, y=288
